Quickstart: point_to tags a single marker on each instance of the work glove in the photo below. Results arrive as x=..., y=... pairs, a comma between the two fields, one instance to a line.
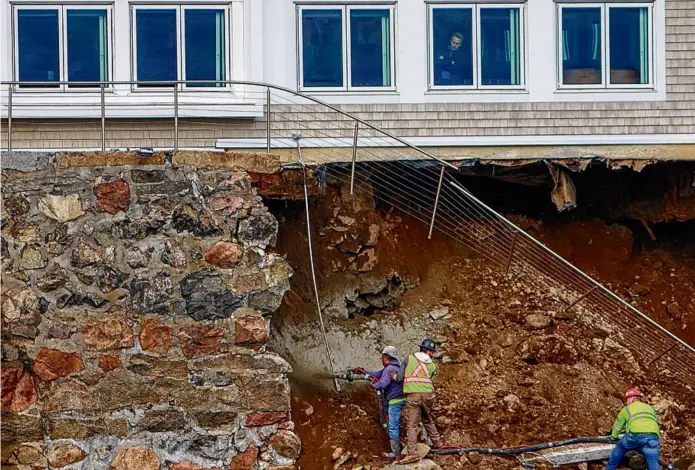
x=359, y=370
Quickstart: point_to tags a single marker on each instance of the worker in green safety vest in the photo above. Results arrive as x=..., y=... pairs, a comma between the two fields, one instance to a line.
x=416, y=373
x=641, y=426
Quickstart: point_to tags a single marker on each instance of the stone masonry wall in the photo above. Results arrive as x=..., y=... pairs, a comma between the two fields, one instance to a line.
x=135, y=305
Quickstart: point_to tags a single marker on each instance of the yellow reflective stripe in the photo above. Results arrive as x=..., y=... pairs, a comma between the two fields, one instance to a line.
x=396, y=400
x=421, y=380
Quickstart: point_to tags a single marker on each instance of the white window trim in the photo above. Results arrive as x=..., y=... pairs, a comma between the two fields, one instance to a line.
x=477, y=42
x=347, y=48
x=180, y=44
x=605, y=84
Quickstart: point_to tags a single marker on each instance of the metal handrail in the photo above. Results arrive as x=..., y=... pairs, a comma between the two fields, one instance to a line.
x=175, y=84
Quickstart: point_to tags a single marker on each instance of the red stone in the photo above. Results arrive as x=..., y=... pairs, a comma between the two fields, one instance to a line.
x=245, y=460
x=113, y=197
x=224, y=254
x=188, y=465
x=250, y=331
x=51, y=364
x=230, y=203
x=155, y=337
x=266, y=418
x=110, y=334
x=199, y=341
x=109, y=363
x=18, y=392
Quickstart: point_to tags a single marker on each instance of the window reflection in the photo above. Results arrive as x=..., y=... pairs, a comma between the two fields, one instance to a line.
x=581, y=46
x=205, y=46
x=370, y=40
x=322, y=48
x=87, y=45
x=38, y=54
x=453, y=46
x=629, y=45
x=500, y=47
x=156, y=45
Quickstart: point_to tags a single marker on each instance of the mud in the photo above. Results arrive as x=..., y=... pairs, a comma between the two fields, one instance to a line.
x=503, y=381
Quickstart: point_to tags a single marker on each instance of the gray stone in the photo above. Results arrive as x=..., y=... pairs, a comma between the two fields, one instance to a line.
x=103, y=276
x=207, y=297
x=140, y=228
x=24, y=161
x=259, y=230
x=147, y=176
x=136, y=258
x=173, y=255
x=265, y=301
x=151, y=293
x=16, y=206
x=186, y=218
x=84, y=255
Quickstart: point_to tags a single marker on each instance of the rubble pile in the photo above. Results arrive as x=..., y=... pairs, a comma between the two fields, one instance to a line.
x=135, y=315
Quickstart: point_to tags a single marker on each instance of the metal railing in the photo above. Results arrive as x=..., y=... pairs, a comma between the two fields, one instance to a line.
x=364, y=156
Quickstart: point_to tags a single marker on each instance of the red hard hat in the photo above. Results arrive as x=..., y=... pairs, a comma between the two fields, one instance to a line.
x=632, y=392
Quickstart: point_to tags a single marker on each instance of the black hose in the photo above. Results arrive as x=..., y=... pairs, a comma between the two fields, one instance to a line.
x=533, y=448
x=521, y=450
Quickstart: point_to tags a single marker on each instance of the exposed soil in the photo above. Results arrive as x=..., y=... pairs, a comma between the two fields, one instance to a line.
x=504, y=380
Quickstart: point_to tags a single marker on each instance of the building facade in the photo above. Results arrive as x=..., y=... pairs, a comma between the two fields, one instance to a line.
x=445, y=74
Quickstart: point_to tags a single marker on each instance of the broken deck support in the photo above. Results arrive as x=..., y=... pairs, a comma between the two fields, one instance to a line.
x=436, y=201
x=581, y=297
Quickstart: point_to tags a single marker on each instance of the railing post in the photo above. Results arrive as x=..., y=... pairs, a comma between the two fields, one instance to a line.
x=267, y=121
x=103, y=119
x=354, y=157
x=511, y=253
x=176, y=116
x=9, y=119
x=436, y=201
x=581, y=297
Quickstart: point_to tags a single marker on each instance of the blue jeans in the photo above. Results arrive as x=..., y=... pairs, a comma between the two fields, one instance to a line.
x=394, y=412
x=648, y=444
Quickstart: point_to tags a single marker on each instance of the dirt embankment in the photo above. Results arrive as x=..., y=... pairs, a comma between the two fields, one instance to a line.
x=516, y=368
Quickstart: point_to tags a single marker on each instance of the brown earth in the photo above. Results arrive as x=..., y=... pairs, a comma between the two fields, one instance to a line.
x=504, y=380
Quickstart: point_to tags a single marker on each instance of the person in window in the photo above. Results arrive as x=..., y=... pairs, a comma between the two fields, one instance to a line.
x=452, y=64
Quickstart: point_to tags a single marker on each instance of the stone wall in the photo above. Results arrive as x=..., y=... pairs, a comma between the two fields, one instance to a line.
x=135, y=312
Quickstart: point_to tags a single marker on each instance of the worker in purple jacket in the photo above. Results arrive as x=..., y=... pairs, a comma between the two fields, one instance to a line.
x=393, y=391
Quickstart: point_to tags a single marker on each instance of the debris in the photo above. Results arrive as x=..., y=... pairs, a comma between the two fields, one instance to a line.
x=440, y=313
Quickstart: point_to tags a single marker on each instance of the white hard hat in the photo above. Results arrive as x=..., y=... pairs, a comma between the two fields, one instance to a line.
x=390, y=351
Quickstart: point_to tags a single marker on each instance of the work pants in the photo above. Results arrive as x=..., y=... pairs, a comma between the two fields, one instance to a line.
x=648, y=444
x=418, y=409
x=394, y=413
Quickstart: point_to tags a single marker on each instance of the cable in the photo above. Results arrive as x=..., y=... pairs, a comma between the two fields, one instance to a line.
x=313, y=271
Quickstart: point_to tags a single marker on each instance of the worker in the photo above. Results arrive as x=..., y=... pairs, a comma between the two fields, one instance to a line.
x=641, y=427
x=416, y=373
x=393, y=395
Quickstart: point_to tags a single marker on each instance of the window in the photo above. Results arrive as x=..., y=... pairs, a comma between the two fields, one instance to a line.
x=181, y=43
x=605, y=46
x=476, y=46
x=62, y=43
x=346, y=47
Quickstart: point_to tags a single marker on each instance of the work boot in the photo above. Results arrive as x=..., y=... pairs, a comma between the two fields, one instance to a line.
x=410, y=458
x=396, y=449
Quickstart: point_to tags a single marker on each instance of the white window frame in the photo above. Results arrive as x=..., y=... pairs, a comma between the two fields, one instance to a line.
x=477, y=44
x=180, y=9
x=346, y=47
x=605, y=46
x=62, y=9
